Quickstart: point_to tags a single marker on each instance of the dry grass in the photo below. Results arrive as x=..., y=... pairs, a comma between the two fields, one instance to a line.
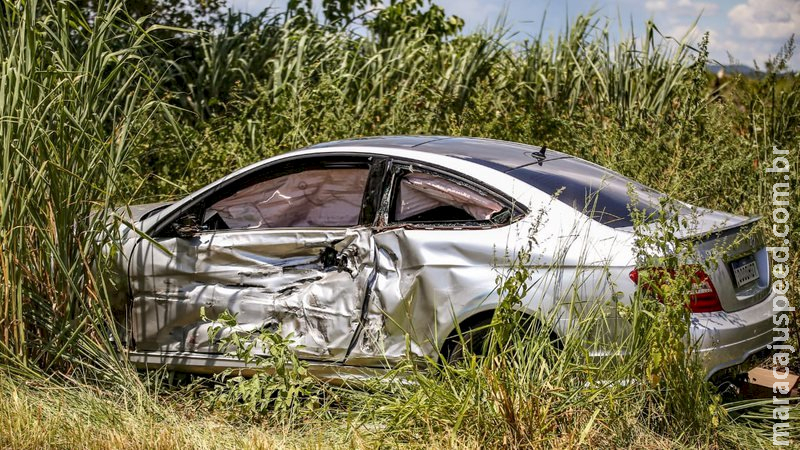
x=44, y=415
x=80, y=129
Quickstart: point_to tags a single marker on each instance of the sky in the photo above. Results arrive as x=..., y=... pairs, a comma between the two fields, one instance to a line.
x=745, y=30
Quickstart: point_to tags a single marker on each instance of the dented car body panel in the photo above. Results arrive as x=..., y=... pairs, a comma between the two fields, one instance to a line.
x=358, y=286
x=270, y=279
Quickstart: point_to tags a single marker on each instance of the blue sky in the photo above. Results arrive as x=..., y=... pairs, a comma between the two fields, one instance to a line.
x=746, y=29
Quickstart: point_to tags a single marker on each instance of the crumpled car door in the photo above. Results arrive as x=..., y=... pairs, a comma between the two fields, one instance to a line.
x=308, y=284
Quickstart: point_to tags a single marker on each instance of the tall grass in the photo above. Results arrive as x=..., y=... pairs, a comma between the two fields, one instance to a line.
x=80, y=132
x=72, y=97
x=267, y=84
x=40, y=415
x=523, y=389
x=582, y=67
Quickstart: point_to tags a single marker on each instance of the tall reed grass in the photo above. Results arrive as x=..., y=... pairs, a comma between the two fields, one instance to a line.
x=581, y=67
x=73, y=99
x=82, y=129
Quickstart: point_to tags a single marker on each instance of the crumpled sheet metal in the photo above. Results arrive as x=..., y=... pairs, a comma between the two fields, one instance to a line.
x=312, y=284
x=430, y=279
x=297, y=292
x=424, y=279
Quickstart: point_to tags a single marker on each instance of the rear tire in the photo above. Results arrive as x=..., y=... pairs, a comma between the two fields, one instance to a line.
x=472, y=340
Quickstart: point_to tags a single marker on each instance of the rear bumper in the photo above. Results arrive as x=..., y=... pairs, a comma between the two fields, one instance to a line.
x=729, y=339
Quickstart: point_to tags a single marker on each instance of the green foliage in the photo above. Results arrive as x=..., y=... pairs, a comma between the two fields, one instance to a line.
x=278, y=383
x=383, y=21
x=175, y=13
x=773, y=102
x=98, y=112
x=660, y=318
x=639, y=106
x=69, y=117
x=402, y=16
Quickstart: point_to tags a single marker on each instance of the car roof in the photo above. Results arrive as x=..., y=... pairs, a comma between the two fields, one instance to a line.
x=499, y=155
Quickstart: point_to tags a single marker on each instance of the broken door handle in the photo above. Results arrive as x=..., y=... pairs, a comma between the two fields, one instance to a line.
x=343, y=261
x=346, y=260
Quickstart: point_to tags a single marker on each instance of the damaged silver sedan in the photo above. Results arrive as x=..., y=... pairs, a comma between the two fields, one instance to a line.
x=370, y=251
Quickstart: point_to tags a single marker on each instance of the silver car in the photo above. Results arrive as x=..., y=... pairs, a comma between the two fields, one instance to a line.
x=370, y=251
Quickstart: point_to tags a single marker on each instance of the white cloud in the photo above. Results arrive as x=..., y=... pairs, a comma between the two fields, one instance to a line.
x=681, y=6
x=729, y=43
x=681, y=19
x=767, y=19
x=684, y=30
x=656, y=5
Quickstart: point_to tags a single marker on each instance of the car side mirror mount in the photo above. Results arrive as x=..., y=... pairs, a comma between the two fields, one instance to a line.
x=187, y=226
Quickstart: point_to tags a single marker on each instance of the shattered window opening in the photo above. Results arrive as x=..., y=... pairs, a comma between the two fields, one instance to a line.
x=311, y=198
x=427, y=198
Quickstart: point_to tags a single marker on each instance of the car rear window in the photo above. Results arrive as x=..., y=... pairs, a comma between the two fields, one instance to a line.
x=597, y=192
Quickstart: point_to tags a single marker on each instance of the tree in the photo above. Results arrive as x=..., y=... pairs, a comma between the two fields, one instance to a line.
x=197, y=14
x=400, y=16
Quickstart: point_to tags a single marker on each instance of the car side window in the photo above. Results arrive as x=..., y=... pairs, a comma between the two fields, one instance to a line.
x=320, y=197
x=427, y=198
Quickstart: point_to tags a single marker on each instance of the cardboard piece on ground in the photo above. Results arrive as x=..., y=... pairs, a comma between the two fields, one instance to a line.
x=760, y=382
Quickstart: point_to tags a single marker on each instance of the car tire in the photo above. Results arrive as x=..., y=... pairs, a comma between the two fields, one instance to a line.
x=471, y=340
x=474, y=339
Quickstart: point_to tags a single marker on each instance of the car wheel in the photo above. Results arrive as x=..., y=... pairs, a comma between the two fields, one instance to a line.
x=472, y=340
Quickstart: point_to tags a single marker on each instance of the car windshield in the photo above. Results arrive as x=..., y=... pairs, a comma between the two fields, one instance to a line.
x=597, y=192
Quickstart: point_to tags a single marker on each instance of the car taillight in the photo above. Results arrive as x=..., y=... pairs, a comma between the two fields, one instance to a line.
x=702, y=295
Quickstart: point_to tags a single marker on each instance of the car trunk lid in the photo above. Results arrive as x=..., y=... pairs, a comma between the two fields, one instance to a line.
x=739, y=263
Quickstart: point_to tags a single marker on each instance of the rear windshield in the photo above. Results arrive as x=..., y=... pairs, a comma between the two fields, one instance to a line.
x=597, y=192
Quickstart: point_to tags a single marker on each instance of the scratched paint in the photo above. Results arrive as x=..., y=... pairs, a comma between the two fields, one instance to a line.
x=270, y=279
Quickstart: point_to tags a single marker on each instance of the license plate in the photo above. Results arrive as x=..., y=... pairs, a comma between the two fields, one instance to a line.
x=744, y=270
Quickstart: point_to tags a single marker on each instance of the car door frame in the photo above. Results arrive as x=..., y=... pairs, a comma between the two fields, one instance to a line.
x=377, y=164
x=388, y=322
x=396, y=166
